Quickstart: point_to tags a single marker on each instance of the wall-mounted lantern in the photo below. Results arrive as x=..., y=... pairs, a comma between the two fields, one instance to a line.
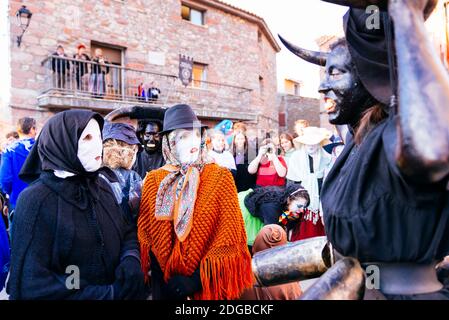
x=23, y=16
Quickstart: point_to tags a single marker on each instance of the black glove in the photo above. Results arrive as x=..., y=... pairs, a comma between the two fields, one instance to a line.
x=129, y=280
x=180, y=287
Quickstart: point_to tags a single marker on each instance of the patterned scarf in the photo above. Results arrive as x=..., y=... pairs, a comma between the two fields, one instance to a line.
x=176, y=196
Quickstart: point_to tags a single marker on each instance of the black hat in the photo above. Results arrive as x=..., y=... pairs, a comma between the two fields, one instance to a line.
x=372, y=50
x=180, y=116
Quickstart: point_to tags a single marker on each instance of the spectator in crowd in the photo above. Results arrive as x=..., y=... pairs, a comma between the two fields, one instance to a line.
x=69, y=219
x=308, y=166
x=272, y=204
x=299, y=125
x=243, y=179
x=239, y=127
x=286, y=145
x=271, y=236
x=153, y=92
x=226, y=126
x=81, y=68
x=219, y=154
x=60, y=67
x=13, y=159
x=149, y=157
x=11, y=137
x=270, y=168
x=120, y=145
x=97, y=83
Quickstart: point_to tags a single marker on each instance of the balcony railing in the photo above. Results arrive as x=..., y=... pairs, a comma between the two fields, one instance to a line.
x=102, y=84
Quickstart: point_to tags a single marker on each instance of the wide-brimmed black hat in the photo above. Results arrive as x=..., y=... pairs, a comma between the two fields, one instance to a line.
x=180, y=116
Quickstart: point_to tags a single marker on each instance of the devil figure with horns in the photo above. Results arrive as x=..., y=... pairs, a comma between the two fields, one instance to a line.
x=386, y=200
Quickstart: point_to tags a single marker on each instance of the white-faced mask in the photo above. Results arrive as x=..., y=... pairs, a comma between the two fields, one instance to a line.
x=188, y=143
x=312, y=149
x=90, y=147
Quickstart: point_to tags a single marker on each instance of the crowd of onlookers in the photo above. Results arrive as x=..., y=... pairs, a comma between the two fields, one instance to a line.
x=89, y=74
x=278, y=178
x=274, y=172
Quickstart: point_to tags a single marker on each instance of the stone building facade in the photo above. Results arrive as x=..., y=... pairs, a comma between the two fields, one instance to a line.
x=233, y=51
x=293, y=107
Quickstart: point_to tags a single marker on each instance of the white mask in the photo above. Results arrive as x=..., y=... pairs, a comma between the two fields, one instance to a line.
x=312, y=149
x=90, y=147
x=188, y=143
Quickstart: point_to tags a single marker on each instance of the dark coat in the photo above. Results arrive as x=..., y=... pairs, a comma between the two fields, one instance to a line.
x=52, y=232
x=146, y=162
x=59, y=65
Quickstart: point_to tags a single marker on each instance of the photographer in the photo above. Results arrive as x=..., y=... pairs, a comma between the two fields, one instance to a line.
x=271, y=169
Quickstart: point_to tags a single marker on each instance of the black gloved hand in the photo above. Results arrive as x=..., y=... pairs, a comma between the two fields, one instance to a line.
x=180, y=287
x=129, y=279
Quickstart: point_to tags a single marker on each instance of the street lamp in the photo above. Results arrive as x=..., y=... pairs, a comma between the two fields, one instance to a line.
x=23, y=16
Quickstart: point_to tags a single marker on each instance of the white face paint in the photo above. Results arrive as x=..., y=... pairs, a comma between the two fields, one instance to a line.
x=90, y=147
x=312, y=149
x=218, y=142
x=188, y=143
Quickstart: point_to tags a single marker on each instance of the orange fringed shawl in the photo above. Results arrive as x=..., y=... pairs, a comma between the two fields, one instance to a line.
x=216, y=242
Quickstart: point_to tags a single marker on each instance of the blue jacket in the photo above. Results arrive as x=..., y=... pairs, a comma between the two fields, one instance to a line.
x=4, y=254
x=12, y=161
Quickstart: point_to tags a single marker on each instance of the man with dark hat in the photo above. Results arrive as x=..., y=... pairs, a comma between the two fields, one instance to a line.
x=385, y=201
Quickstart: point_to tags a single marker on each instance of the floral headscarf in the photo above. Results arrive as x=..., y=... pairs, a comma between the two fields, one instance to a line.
x=175, y=199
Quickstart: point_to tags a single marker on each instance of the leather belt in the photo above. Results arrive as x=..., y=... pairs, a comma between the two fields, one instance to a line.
x=407, y=278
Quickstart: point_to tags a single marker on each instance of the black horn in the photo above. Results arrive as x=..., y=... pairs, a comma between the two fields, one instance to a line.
x=314, y=57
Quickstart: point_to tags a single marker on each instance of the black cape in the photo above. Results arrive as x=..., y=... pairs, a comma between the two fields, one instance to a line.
x=62, y=223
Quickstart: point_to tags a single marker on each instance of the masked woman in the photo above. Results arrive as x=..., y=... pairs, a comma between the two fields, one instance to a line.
x=190, y=227
x=120, y=145
x=70, y=239
x=385, y=201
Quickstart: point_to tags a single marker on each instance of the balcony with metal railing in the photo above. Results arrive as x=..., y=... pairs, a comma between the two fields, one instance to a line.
x=73, y=83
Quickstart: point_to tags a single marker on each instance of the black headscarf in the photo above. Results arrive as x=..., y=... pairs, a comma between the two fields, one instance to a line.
x=57, y=149
x=372, y=51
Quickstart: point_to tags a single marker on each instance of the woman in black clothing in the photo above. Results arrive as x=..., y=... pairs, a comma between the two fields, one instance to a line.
x=243, y=179
x=386, y=200
x=70, y=239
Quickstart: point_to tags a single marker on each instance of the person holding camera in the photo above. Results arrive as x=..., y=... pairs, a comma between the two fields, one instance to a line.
x=270, y=168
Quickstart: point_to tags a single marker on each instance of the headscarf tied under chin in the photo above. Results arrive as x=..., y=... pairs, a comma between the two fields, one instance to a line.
x=175, y=199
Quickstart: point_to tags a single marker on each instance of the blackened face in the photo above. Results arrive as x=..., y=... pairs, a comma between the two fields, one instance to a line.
x=344, y=95
x=150, y=137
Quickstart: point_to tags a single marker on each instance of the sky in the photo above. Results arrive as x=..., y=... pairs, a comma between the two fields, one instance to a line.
x=301, y=22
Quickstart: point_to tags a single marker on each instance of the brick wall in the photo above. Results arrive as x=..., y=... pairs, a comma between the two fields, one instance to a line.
x=297, y=107
x=228, y=44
